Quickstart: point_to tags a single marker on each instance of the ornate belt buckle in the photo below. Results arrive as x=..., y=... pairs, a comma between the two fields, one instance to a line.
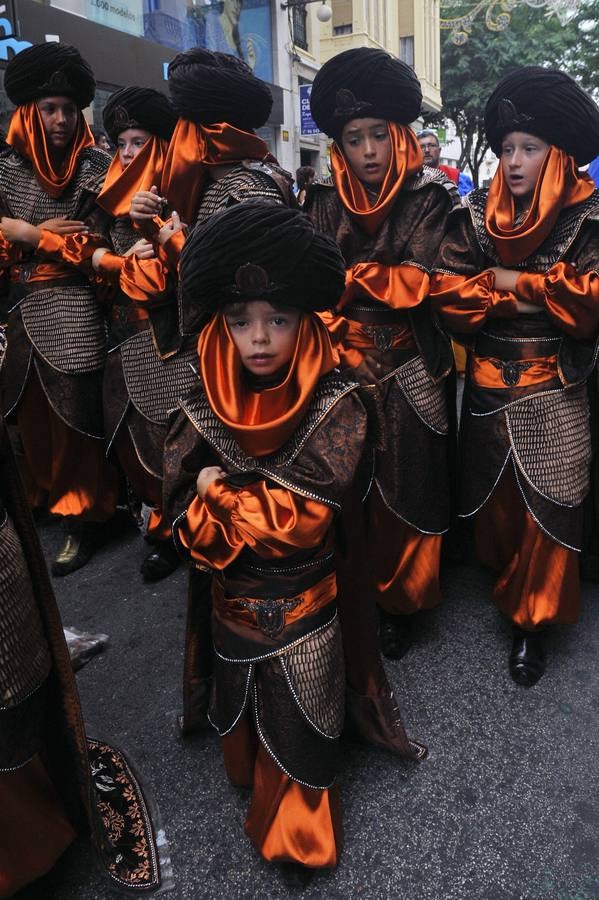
x=511, y=370
x=270, y=613
x=382, y=336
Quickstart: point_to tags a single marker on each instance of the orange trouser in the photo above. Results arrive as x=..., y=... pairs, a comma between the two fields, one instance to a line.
x=539, y=583
x=403, y=562
x=34, y=831
x=63, y=465
x=286, y=821
x=147, y=487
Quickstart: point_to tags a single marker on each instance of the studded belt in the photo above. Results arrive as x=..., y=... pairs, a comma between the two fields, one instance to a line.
x=490, y=372
x=270, y=615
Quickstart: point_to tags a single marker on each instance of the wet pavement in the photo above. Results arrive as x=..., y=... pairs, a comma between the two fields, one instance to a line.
x=506, y=806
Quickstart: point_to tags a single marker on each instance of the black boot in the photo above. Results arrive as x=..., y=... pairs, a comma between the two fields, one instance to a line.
x=160, y=562
x=527, y=658
x=395, y=634
x=81, y=541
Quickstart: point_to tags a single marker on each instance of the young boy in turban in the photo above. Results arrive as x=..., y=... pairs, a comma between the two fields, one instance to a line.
x=52, y=381
x=215, y=158
x=148, y=361
x=257, y=462
x=517, y=277
x=388, y=215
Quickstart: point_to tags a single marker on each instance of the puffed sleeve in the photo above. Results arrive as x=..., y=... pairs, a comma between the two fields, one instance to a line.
x=272, y=521
x=571, y=299
x=462, y=286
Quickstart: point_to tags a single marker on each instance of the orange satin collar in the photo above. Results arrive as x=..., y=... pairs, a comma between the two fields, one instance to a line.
x=194, y=146
x=406, y=160
x=559, y=185
x=28, y=137
x=142, y=172
x=262, y=421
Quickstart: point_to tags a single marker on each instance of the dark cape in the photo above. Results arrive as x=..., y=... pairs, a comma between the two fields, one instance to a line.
x=40, y=713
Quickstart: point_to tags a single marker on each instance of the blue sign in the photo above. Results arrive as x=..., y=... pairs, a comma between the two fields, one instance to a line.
x=307, y=123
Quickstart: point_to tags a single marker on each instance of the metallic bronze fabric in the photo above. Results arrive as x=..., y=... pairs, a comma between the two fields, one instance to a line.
x=54, y=311
x=317, y=460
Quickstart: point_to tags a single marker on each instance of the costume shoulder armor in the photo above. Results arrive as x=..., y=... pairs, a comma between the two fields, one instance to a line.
x=427, y=176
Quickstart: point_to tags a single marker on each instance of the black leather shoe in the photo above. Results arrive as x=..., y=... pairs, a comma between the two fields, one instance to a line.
x=528, y=658
x=395, y=634
x=161, y=562
x=81, y=541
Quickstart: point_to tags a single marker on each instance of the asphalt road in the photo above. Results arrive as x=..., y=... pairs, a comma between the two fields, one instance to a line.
x=506, y=806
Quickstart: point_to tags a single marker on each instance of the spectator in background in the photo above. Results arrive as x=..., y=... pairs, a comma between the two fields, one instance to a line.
x=102, y=140
x=431, y=150
x=304, y=177
x=593, y=171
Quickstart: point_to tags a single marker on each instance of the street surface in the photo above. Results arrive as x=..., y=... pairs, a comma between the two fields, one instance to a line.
x=506, y=806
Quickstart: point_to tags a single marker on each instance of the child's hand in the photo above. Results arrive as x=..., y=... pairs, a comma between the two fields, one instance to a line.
x=206, y=477
x=146, y=204
x=171, y=228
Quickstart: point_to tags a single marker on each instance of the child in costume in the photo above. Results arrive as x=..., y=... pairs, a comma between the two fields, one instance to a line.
x=517, y=278
x=387, y=212
x=257, y=463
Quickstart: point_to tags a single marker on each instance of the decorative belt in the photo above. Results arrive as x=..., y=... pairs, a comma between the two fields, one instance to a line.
x=270, y=615
x=490, y=372
x=374, y=315
x=511, y=347
x=124, y=315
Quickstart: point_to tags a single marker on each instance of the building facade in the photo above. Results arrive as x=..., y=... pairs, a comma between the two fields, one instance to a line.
x=132, y=41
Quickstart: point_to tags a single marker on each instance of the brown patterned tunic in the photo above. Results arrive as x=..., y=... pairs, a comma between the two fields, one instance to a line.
x=539, y=426
x=412, y=471
x=55, y=324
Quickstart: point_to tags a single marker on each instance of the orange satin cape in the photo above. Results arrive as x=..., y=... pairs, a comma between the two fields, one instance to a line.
x=406, y=160
x=122, y=182
x=28, y=137
x=262, y=421
x=559, y=185
x=194, y=146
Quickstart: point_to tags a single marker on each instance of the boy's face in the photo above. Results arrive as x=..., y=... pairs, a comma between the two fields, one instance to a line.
x=60, y=116
x=265, y=335
x=367, y=147
x=522, y=156
x=129, y=144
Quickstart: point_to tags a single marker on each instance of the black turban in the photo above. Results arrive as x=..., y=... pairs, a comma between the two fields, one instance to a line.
x=364, y=83
x=209, y=87
x=49, y=70
x=258, y=251
x=546, y=103
x=135, y=107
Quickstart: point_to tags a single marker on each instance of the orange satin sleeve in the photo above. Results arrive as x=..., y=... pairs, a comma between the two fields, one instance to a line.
x=572, y=300
x=339, y=330
x=10, y=253
x=74, y=249
x=170, y=252
x=399, y=287
x=144, y=280
x=271, y=521
x=465, y=303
